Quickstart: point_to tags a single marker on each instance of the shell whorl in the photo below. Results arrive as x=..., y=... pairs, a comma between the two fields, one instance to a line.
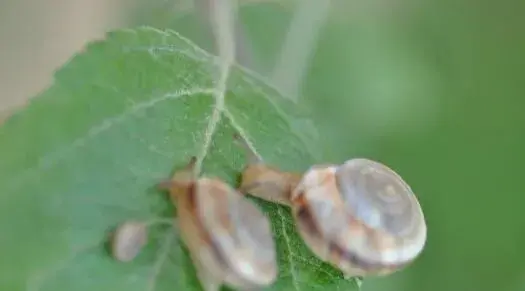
x=379, y=197
x=360, y=216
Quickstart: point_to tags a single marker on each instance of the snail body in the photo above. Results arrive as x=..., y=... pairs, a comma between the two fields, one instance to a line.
x=229, y=239
x=359, y=216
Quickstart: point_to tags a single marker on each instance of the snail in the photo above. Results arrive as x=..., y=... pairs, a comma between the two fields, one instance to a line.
x=129, y=238
x=229, y=239
x=360, y=216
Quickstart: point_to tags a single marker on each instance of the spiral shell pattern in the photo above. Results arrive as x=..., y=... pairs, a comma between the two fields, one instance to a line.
x=360, y=216
x=379, y=198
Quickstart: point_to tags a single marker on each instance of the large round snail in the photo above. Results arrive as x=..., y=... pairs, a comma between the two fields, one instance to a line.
x=360, y=216
x=229, y=239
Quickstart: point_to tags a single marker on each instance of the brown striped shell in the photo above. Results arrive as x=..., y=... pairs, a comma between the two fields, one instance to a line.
x=239, y=231
x=360, y=216
x=229, y=238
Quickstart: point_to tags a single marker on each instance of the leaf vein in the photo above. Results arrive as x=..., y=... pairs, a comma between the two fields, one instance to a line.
x=153, y=49
x=318, y=267
x=219, y=94
x=289, y=249
x=51, y=159
x=240, y=131
x=247, y=140
x=210, y=130
x=163, y=255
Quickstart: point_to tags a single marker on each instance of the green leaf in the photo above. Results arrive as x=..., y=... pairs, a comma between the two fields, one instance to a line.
x=88, y=152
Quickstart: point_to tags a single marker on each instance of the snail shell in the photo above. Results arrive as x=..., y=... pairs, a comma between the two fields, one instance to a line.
x=360, y=216
x=229, y=238
x=128, y=240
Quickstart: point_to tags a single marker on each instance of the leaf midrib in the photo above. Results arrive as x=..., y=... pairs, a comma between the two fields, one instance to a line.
x=220, y=110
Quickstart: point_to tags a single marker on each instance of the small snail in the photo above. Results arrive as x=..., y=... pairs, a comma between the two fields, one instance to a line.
x=229, y=239
x=131, y=236
x=359, y=216
x=128, y=240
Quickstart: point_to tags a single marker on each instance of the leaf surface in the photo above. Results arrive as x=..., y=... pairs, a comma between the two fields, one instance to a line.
x=88, y=152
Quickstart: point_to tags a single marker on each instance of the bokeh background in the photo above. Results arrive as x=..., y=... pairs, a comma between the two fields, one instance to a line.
x=433, y=88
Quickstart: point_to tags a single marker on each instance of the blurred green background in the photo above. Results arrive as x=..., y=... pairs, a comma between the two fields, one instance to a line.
x=435, y=89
